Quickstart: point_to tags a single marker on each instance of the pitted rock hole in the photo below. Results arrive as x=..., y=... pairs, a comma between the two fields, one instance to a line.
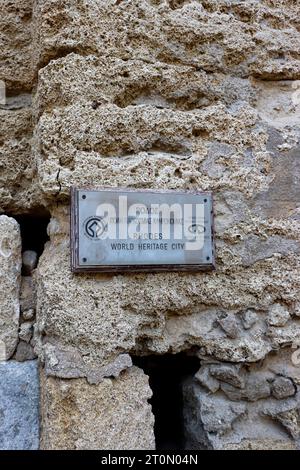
x=166, y=376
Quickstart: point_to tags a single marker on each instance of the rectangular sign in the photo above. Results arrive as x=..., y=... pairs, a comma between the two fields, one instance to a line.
x=118, y=230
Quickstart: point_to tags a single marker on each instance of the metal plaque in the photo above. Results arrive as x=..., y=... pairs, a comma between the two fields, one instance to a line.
x=118, y=230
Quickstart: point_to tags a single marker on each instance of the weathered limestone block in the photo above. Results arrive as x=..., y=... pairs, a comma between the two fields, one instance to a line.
x=19, y=406
x=168, y=148
x=162, y=144
x=124, y=317
x=15, y=45
x=113, y=415
x=156, y=94
x=160, y=148
x=18, y=190
x=76, y=78
x=10, y=277
x=205, y=35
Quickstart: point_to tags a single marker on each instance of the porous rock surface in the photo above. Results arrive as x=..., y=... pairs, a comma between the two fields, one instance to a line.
x=16, y=45
x=10, y=278
x=175, y=98
x=231, y=412
x=113, y=415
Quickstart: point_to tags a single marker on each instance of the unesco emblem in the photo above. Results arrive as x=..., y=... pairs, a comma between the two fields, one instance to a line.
x=94, y=228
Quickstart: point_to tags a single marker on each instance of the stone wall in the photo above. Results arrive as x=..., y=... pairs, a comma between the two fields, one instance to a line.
x=161, y=94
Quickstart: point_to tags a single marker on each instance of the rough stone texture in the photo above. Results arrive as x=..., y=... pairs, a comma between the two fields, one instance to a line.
x=229, y=325
x=237, y=38
x=229, y=374
x=184, y=112
x=19, y=406
x=249, y=319
x=28, y=296
x=256, y=388
x=10, y=277
x=167, y=311
x=286, y=414
x=17, y=165
x=205, y=378
x=18, y=190
x=278, y=315
x=283, y=387
x=24, y=352
x=113, y=415
x=26, y=330
x=15, y=45
x=262, y=444
x=67, y=363
x=176, y=95
x=234, y=418
x=245, y=427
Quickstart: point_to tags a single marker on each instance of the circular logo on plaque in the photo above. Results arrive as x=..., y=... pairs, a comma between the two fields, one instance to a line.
x=94, y=228
x=196, y=229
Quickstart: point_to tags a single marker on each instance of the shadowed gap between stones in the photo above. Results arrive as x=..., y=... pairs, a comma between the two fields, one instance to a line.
x=167, y=373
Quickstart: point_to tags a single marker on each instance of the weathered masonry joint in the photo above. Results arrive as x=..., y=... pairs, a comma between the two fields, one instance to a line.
x=151, y=98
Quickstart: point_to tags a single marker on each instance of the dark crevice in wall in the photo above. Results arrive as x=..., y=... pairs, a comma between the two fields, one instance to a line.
x=62, y=52
x=166, y=375
x=34, y=230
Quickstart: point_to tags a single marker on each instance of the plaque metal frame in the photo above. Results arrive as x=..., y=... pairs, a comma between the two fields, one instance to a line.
x=77, y=267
